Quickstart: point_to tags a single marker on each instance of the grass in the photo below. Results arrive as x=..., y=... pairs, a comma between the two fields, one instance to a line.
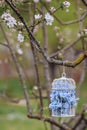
x=21, y=124
x=14, y=117
x=11, y=122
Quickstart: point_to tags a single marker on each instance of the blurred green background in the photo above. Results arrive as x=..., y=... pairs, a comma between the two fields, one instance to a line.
x=13, y=113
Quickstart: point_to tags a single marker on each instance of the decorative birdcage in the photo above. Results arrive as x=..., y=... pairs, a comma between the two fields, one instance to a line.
x=63, y=97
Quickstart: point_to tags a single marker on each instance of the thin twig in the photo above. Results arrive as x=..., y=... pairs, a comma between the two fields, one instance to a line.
x=3, y=44
x=69, y=22
x=34, y=51
x=65, y=48
x=83, y=48
x=45, y=63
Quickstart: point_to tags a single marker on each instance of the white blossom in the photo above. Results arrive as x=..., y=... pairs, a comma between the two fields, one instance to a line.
x=52, y=9
x=79, y=34
x=35, y=87
x=85, y=30
x=49, y=19
x=20, y=37
x=48, y=0
x=56, y=28
x=19, y=50
x=38, y=16
x=66, y=4
x=20, y=23
x=67, y=10
x=80, y=9
x=36, y=1
x=36, y=29
x=11, y=21
x=57, y=34
x=61, y=39
x=82, y=33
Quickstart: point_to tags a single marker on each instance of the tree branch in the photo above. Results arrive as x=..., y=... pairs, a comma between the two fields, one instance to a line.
x=3, y=44
x=34, y=51
x=49, y=120
x=84, y=2
x=18, y=68
x=45, y=63
x=73, y=64
x=36, y=43
x=81, y=117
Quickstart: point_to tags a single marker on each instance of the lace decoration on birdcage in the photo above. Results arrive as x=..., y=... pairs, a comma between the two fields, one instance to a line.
x=63, y=97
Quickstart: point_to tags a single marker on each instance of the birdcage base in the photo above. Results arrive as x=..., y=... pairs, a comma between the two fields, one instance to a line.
x=62, y=115
x=56, y=113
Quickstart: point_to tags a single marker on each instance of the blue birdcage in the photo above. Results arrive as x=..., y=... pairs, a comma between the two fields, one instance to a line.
x=63, y=97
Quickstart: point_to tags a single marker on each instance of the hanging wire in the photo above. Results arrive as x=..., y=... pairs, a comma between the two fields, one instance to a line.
x=63, y=73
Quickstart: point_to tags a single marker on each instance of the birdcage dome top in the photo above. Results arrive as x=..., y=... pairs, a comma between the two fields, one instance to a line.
x=63, y=83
